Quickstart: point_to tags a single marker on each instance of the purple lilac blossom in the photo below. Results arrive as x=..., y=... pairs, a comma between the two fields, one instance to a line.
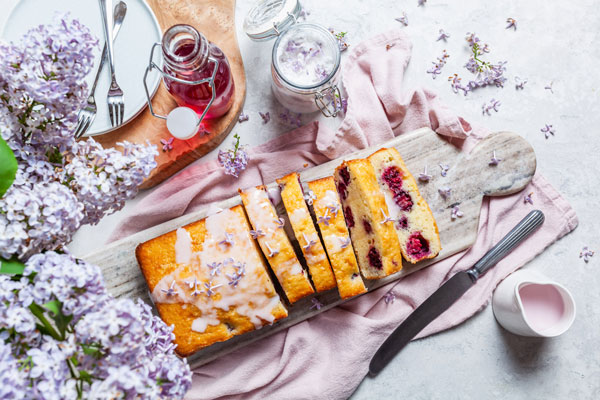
x=266, y=117
x=442, y=36
x=167, y=144
x=494, y=160
x=316, y=304
x=512, y=23
x=586, y=254
x=424, y=176
x=528, y=199
x=403, y=19
x=455, y=213
x=243, y=117
x=548, y=130
x=549, y=87
x=234, y=160
x=389, y=297
x=493, y=104
x=520, y=83
x=438, y=65
x=444, y=168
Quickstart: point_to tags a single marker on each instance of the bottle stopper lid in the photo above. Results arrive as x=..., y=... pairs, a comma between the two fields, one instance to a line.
x=183, y=123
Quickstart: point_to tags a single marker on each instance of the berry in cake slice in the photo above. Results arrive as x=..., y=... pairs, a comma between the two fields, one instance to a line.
x=305, y=231
x=327, y=208
x=209, y=280
x=373, y=235
x=413, y=220
x=276, y=246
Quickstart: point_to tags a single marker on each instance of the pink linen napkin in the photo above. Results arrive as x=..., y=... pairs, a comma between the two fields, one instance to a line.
x=328, y=355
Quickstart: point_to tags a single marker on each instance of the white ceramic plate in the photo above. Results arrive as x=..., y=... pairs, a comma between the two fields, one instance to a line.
x=140, y=30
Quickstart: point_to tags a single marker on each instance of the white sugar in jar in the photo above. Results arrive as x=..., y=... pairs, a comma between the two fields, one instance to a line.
x=305, y=62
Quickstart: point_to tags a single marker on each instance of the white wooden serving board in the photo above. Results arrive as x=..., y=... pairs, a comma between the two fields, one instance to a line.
x=470, y=178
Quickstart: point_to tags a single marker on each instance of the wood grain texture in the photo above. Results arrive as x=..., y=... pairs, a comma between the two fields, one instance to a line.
x=470, y=178
x=216, y=20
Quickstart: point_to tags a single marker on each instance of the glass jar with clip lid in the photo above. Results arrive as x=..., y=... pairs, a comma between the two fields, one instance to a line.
x=305, y=62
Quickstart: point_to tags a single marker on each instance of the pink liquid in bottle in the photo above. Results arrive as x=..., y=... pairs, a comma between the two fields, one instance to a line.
x=186, y=53
x=543, y=305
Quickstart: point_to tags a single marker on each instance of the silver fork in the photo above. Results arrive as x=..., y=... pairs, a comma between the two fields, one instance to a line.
x=88, y=113
x=116, y=102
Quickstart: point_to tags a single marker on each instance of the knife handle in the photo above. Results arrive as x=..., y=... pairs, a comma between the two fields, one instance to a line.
x=530, y=223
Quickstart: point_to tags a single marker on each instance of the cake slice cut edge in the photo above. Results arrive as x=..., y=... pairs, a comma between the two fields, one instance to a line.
x=327, y=208
x=275, y=244
x=414, y=222
x=305, y=231
x=208, y=305
x=373, y=236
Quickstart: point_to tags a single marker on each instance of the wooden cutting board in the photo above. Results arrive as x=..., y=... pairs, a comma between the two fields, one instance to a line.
x=470, y=178
x=216, y=20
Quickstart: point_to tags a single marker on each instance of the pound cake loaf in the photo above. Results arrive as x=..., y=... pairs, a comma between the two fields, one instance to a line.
x=268, y=230
x=413, y=220
x=327, y=207
x=305, y=231
x=371, y=229
x=208, y=279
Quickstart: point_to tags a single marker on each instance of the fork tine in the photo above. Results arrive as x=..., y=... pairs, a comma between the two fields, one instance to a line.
x=79, y=128
x=121, y=112
x=111, y=113
x=86, y=127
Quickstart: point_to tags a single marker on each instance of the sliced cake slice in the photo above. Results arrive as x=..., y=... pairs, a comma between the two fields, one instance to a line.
x=268, y=230
x=209, y=280
x=306, y=232
x=372, y=231
x=414, y=222
x=328, y=210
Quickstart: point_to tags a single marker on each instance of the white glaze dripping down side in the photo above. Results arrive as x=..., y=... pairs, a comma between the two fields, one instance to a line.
x=183, y=247
x=252, y=297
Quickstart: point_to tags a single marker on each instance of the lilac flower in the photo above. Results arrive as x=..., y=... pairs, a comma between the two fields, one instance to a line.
x=272, y=252
x=266, y=117
x=167, y=144
x=423, y=176
x=310, y=197
x=548, y=130
x=192, y=284
x=334, y=209
x=492, y=105
x=324, y=219
x=445, y=168
x=512, y=23
x=528, y=199
x=196, y=290
x=520, y=83
x=386, y=218
x=445, y=192
x=389, y=297
x=456, y=213
x=549, y=87
x=256, y=233
x=421, y=2
x=455, y=83
x=345, y=242
x=228, y=241
x=442, y=36
x=303, y=14
x=280, y=222
x=309, y=243
x=243, y=117
x=288, y=118
x=495, y=160
x=210, y=288
x=171, y=290
x=403, y=19
x=341, y=39
x=234, y=160
x=438, y=65
x=316, y=304
x=214, y=268
x=586, y=254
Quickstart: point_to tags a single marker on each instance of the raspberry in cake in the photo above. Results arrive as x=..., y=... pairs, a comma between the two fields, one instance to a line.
x=373, y=234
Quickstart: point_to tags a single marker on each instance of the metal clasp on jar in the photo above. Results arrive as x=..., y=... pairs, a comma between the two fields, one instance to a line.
x=211, y=81
x=329, y=101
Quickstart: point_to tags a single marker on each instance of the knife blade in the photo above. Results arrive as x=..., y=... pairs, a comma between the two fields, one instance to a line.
x=450, y=292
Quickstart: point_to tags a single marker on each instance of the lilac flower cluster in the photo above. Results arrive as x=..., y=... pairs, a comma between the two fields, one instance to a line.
x=63, y=336
x=438, y=65
x=234, y=160
x=493, y=105
x=60, y=183
x=341, y=39
x=485, y=72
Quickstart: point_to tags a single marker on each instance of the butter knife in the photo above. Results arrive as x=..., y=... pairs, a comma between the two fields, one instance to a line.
x=450, y=292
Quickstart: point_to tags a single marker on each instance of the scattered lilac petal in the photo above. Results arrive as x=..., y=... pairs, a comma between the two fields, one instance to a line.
x=272, y=252
x=423, y=176
x=316, y=304
x=586, y=254
x=548, y=130
x=310, y=197
x=456, y=213
x=445, y=168
x=309, y=243
x=324, y=219
x=228, y=239
x=215, y=268
x=421, y=2
x=520, y=83
x=243, y=117
x=334, y=209
x=512, y=23
x=549, y=87
x=492, y=105
x=389, y=297
x=495, y=160
x=438, y=65
x=170, y=291
x=210, y=289
x=266, y=117
x=167, y=144
x=386, y=218
x=403, y=19
x=445, y=192
x=345, y=242
x=256, y=233
x=280, y=222
x=442, y=36
x=528, y=199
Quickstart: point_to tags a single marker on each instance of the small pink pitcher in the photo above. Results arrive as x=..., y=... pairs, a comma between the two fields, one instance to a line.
x=529, y=304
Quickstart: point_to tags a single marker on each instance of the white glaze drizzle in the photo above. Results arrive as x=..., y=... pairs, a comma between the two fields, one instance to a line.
x=183, y=247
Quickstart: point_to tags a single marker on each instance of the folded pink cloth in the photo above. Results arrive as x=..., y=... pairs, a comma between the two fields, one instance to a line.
x=328, y=355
